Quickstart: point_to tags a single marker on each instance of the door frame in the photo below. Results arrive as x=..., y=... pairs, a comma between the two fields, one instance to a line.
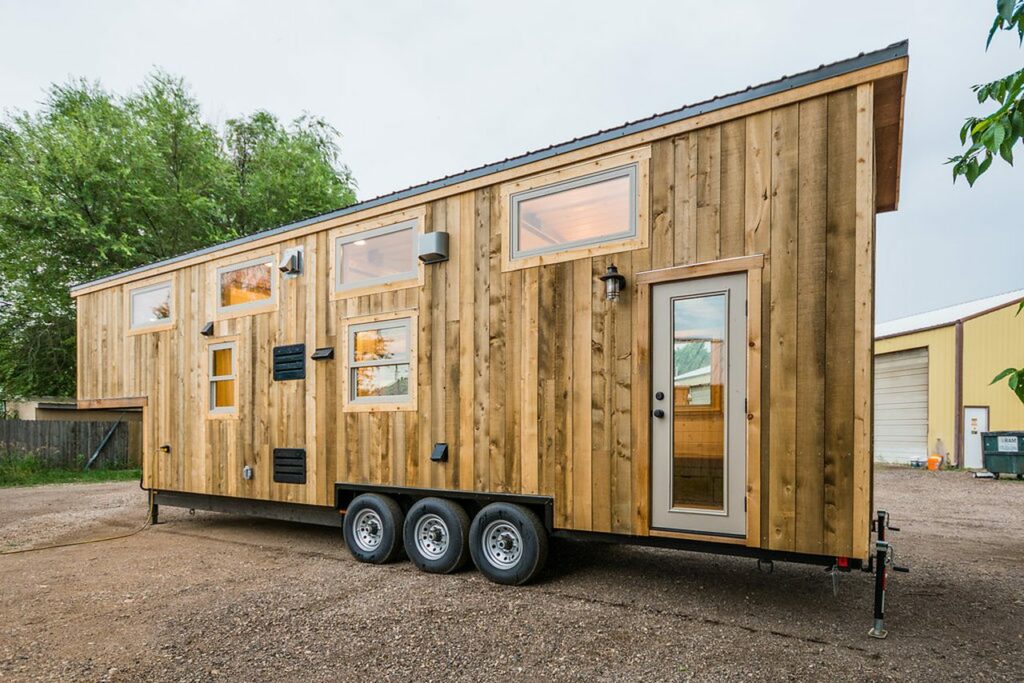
x=963, y=429
x=752, y=266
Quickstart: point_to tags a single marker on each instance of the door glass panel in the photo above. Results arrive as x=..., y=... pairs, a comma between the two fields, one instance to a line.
x=698, y=421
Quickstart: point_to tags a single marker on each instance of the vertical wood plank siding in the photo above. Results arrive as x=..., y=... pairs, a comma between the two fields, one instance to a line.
x=530, y=376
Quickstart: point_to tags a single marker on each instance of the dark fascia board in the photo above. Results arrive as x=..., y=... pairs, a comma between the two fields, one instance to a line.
x=822, y=73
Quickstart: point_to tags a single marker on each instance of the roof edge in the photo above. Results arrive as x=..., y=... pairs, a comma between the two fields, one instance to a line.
x=822, y=73
x=977, y=314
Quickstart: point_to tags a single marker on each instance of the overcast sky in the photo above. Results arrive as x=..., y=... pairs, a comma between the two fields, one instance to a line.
x=421, y=90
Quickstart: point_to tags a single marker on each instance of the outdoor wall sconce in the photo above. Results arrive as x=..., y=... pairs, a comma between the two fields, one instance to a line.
x=207, y=330
x=613, y=283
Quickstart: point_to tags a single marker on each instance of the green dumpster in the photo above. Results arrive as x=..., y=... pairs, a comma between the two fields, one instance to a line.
x=1003, y=453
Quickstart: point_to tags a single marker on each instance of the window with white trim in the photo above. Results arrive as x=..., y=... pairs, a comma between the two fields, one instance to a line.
x=223, y=377
x=249, y=284
x=580, y=212
x=150, y=306
x=380, y=362
x=376, y=257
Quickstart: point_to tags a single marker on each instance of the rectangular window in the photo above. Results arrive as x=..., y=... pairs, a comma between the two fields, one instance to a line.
x=247, y=284
x=376, y=257
x=581, y=212
x=223, y=378
x=150, y=306
x=380, y=362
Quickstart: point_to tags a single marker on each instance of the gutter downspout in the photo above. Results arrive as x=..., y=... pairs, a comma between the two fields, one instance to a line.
x=958, y=395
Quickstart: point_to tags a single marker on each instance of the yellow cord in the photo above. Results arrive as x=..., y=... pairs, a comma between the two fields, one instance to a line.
x=149, y=520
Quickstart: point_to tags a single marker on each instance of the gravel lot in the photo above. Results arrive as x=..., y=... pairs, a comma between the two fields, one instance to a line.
x=216, y=597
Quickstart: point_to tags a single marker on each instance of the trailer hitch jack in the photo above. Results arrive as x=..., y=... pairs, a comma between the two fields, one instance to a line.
x=882, y=562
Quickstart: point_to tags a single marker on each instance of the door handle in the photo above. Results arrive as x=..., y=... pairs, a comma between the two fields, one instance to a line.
x=658, y=412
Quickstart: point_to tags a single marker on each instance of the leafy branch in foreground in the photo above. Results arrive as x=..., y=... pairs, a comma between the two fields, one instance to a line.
x=999, y=132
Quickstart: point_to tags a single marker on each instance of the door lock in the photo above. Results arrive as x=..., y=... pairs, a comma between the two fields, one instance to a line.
x=658, y=412
x=660, y=396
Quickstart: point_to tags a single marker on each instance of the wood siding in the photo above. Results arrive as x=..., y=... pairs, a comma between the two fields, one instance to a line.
x=529, y=375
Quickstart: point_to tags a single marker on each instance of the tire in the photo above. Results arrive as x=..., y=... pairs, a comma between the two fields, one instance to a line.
x=508, y=543
x=995, y=475
x=437, y=535
x=373, y=528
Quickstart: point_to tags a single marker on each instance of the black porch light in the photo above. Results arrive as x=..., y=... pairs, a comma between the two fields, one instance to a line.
x=613, y=283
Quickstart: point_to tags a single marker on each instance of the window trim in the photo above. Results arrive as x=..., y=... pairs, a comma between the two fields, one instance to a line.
x=249, y=307
x=370, y=283
x=406, y=318
x=566, y=178
x=630, y=171
x=213, y=411
x=157, y=325
x=416, y=216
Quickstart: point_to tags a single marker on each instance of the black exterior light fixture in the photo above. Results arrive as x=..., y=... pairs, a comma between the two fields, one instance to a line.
x=613, y=283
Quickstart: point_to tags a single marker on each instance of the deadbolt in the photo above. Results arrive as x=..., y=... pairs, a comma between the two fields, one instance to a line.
x=660, y=395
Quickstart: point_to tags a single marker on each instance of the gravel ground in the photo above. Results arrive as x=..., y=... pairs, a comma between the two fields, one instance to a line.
x=217, y=597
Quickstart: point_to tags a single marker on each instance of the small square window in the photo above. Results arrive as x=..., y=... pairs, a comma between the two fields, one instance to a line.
x=581, y=212
x=223, y=378
x=245, y=285
x=376, y=257
x=150, y=306
x=380, y=362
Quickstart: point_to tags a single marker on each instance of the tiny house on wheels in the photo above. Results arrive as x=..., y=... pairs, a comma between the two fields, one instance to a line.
x=659, y=333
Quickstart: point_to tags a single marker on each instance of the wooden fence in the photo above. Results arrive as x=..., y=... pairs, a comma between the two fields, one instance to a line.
x=70, y=444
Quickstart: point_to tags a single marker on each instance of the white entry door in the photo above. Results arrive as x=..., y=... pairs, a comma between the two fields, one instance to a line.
x=698, y=423
x=975, y=422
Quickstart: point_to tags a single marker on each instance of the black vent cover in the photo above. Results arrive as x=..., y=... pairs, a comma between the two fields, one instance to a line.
x=289, y=362
x=290, y=465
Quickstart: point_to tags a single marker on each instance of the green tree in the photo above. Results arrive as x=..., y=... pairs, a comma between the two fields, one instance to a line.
x=997, y=133
x=1000, y=131
x=95, y=183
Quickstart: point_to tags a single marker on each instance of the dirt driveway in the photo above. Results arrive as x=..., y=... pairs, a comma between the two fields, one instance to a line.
x=216, y=597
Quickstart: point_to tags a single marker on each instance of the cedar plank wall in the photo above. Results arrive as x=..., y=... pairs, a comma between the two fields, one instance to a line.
x=528, y=375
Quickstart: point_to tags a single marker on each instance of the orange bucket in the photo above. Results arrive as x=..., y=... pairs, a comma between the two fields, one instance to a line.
x=934, y=461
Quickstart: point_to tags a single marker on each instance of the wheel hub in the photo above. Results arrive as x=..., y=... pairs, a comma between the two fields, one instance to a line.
x=432, y=537
x=502, y=544
x=369, y=530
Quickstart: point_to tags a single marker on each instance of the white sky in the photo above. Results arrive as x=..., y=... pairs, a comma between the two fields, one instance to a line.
x=421, y=90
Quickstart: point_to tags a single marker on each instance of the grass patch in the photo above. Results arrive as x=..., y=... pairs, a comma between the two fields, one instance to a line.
x=28, y=470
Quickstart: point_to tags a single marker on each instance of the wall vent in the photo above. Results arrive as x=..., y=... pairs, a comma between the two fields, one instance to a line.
x=290, y=465
x=289, y=362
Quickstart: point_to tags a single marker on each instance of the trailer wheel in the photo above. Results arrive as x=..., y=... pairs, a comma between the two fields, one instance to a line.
x=508, y=543
x=373, y=528
x=437, y=535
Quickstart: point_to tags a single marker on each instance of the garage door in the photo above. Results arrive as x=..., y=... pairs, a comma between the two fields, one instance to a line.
x=901, y=406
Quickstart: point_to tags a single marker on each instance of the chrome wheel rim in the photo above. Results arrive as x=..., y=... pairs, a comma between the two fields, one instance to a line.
x=432, y=537
x=502, y=544
x=369, y=530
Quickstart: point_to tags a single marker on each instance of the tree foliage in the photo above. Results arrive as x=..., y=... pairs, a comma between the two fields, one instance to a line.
x=999, y=132
x=94, y=183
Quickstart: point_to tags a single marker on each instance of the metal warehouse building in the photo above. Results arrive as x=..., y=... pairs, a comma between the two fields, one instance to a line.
x=933, y=373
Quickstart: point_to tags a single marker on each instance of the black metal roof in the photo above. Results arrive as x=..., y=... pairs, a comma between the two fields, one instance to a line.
x=754, y=92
